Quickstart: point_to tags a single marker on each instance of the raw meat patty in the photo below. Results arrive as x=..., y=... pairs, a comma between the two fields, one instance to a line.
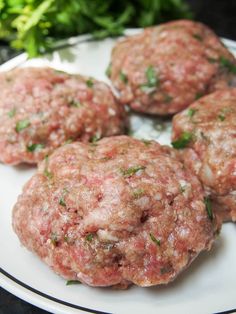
x=209, y=129
x=41, y=109
x=165, y=68
x=118, y=212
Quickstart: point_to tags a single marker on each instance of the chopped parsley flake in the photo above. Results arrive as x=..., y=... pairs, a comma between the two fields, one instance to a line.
x=108, y=71
x=89, y=237
x=155, y=240
x=227, y=64
x=70, y=140
x=47, y=173
x=182, y=188
x=89, y=83
x=212, y=60
x=198, y=37
x=137, y=193
x=207, y=202
x=21, y=125
x=183, y=140
x=167, y=98
x=198, y=95
x=72, y=282
x=221, y=117
x=147, y=142
x=191, y=112
x=131, y=171
x=54, y=238
x=12, y=113
x=74, y=103
x=62, y=201
x=35, y=147
x=95, y=138
x=152, y=80
x=123, y=77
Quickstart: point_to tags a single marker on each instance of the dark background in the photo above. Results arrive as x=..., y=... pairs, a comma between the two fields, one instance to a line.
x=220, y=15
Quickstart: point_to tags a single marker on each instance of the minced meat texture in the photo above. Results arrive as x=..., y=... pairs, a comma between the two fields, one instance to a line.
x=210, y=151
x=116, y=212
x=41, y=109
x=165, y=68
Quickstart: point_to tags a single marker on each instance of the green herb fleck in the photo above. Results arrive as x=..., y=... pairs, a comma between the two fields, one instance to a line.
x=89, y=237
x=203, y=136
x=62, y=201
x=12, y=113
x=131, y=171
x=108, y=70
x=21, y=125
x=207, y=202
x=72, y=282
x=183, y=140
x=89, y=83
x=75, y=103
x=191, y=112
x=35, y=147
x=155, y=240
x=152, y=80
x=221, y=117
x=47, y=173
x=147, y=142
x=95, y=138
x=182, y=188
x=167, y=98
x=137, y=193
x=227, y=64
x=212, y=60
x=70, y=140
x=198, y=95
x=165, y=270
x=198, y=37
x=54, y=238
x=123, y=77
x=151, y=76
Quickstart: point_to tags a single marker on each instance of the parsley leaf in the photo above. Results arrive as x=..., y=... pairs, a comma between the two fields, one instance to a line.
x=123, y=77
x=12, y=113
x=35, y=147
x=22, y=124
x=227, y=64
x=89, y=83
x=183, y=140
x=191, y=112
x=72, y=282
x=155, y=240
x=207, y=202
x=131, y=171
x=89, y=237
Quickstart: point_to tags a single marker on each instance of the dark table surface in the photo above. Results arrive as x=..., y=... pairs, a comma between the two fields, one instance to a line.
x=220, y=15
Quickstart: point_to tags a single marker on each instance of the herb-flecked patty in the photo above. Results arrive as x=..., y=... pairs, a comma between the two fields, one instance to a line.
x=41, y=109
x=115, y=212
x=165, y=68
x=208, y=131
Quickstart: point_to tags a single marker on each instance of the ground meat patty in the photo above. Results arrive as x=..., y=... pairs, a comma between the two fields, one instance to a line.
x=165, y=68
x=118, y=212
x=41, y=108
x=208, y=128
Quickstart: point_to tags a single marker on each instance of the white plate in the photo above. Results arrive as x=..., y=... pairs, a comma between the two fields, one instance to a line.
x=207, y=286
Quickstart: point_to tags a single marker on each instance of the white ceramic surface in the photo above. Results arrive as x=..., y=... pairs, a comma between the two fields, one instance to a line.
x=207, y=286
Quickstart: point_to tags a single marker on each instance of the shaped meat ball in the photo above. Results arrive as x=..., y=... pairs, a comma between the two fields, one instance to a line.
x=41, y=109
x=208, y=130
x=117, y=212
x=165, y=68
